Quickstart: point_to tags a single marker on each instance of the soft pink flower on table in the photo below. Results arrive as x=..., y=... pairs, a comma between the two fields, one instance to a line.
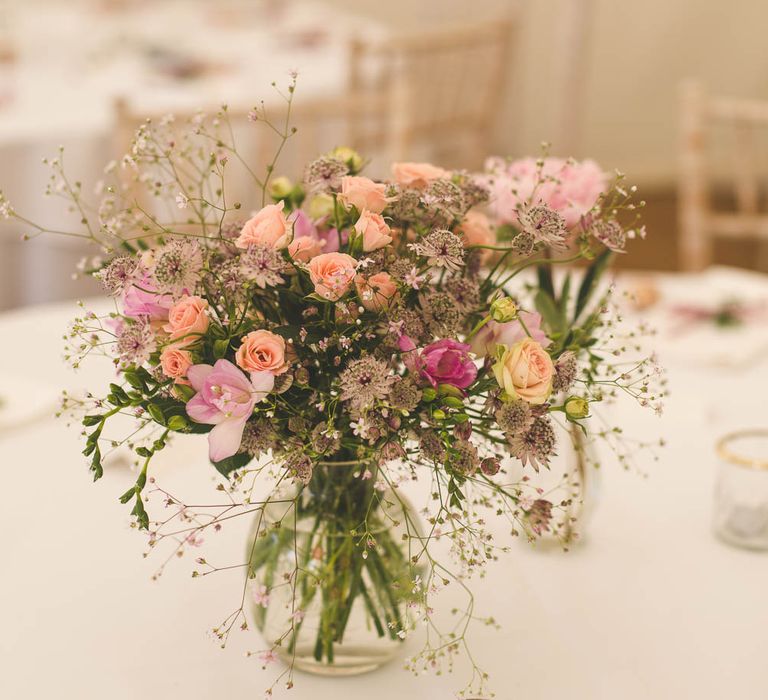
x=225, y=399
x=174, y=361
x=187, y=320
x=442, y=362
x=332, y=274
x=143, y=300
x=494, y=333
x=569, y=187
x=376, y=292
x=417, y=175
x=524, y=371
x=374, y=230
x=363, y=193
x=262, y=351
x=267, y=227
x=476, y=229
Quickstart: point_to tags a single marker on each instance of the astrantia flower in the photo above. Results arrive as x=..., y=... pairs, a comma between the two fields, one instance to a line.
x=299, y=465
x=441, y=314
x=442, y=248
x=364, y=381
x=474, y=191
x=431, y=446
x=544, y=225
x=539, y=515
x=565, y=372
x=135, y=342
x=514, y=417
x=610, y=234
x=258, y=436
x=404, y=395
x=262, y=265
x=178, y=266
x=464, y=459
x=465, y=291
x=120, y=274
x=445, y=200
x=537, y=445
x=325, y=173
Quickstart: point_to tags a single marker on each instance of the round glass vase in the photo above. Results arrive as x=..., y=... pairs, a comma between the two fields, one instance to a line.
x=330, y=573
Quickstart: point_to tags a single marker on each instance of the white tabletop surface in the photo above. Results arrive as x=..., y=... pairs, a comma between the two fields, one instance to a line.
x=650, y=605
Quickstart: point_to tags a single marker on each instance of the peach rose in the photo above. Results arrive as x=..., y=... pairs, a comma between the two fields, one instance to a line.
x=524, y=370
x=262, y=351
x=417, y=175
x=175, y=362
x=363, y=193
x=374, y=230
x=376, y=292
x=332, y=273
x=187, y=320
x=477, y=231
x=304, y=248
x=267, y=227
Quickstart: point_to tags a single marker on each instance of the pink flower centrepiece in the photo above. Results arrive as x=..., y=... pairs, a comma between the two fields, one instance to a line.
x=417, y=175
x=262, y=351
x=445, y=361
x=267, y=227
x=225, y=399
x=332, y=274
x=569, y=187
x=493, y=333
x=187, y=320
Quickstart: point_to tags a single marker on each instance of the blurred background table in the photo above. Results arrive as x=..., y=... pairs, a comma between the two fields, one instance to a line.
x=649, y=605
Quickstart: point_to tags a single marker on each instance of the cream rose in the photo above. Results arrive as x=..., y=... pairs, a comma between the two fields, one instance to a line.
x=262, y=351
x=417, y=175
x=376, y=292
x=524, y=371
x=175, y=362
x=267, y=227
x=332, y=273
x=363, y=193
x=187, y=320
x=374, y=230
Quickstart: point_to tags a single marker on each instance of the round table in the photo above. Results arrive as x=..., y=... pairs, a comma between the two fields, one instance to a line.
x=649, y=605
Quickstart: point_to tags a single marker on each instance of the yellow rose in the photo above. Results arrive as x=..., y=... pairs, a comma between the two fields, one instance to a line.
x=524, y=371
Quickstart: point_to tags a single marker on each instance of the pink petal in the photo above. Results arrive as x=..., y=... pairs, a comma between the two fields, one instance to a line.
x=263, y=383
x=197, y=374
x=224, y=440
x=200, y=411
x=227, y=373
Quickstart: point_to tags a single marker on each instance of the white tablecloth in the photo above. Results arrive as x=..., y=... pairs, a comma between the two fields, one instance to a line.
x=650, y=605
x=72, y=59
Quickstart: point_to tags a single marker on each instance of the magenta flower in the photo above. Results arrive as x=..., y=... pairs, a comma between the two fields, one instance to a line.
x=442, y=362
x=225, y=398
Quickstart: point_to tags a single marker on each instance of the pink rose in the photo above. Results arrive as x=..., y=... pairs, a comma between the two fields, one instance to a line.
x=225, y=399
x=267, y=227
x=477, y=230
x=571, y=188
x=363, y=193
x=187, y=320
x=305, y=248
x=332, y=273
x=493, y=333
x=262, y=351
x=376, y=292
x=524, y=371
x=175, y=362
x=417, y=175
x=442, y=362
x=374, y=230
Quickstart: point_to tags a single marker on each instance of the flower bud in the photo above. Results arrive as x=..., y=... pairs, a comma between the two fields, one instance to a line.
x=576, y=407
x=280, y=188
x=490, y=466
x=350, y=156
x=429, y=394
x=438, y=414
x=450, y=390
x=319, y=206
x=503, y=310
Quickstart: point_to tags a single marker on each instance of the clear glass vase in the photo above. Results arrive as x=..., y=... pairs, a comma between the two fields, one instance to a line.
x=330, y=573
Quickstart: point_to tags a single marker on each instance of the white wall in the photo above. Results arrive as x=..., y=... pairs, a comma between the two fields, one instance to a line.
x=637, y=53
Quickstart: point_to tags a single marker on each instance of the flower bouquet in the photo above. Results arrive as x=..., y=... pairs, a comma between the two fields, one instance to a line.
x=349, y=336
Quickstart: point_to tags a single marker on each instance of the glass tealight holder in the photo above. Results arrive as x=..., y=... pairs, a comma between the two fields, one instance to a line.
x=741, y=492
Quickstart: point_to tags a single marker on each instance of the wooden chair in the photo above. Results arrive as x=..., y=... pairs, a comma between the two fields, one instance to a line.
x=442, y=91
x=700, y=223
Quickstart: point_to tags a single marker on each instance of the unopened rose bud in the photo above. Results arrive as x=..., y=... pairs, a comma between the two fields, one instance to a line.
x=280, y=188
x=319, y=206
x=503, y=310
x=490, y=466
x=576, y=408
x=350, y=156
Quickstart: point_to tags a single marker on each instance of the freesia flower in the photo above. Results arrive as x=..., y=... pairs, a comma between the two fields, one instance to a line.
x=445, y=361
x=225, y=399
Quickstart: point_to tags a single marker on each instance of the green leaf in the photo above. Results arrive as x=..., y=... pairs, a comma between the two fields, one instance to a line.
x=89, y=421
x=589, y=283
x=546, y=307
x=565, y=293
x=157, y=413
x=544, y=273
x=178, y=423
x=226, y=466
x=220, y=348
